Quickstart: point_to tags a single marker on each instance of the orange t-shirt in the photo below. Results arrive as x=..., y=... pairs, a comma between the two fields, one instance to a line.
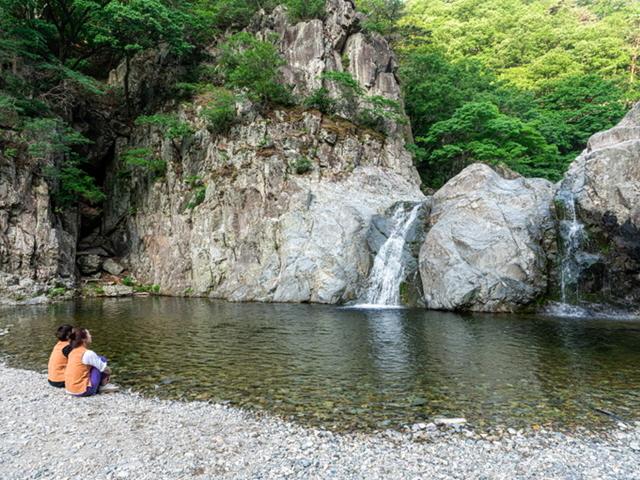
x=76, y=376
x=57, y=362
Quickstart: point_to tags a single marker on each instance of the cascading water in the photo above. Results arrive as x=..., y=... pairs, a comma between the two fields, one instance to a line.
x=383, y=285
x=574, y=262
x=572, y=235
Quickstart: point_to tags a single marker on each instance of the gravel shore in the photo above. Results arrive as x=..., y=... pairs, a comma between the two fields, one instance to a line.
x=44, y=433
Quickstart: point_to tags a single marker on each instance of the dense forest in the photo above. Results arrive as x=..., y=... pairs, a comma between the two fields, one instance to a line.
x=517, y=82
x=514, y=81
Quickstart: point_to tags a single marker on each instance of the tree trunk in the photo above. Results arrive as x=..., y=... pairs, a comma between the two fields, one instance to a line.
x=127, y=95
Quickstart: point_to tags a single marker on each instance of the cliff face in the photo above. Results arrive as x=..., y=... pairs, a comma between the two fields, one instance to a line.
x=255, y=225
x=37, y=247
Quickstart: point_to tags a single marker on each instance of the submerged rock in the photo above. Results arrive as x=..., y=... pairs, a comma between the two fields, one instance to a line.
x=484, y=250
x=116, y=291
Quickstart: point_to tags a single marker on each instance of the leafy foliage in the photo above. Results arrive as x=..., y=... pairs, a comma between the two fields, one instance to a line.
x=478, y=132
x=73, y=182
x=381, y=15
x=508, y=81
x=304, y=9
x=556, y=73
x=172, y=127
x=321, y=100
x=252, y=65
x=220, y=112
x=144, y=159
x=302, y=165
x=369, y=111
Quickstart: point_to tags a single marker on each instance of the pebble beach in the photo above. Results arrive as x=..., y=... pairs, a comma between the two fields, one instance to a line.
x=45, y=433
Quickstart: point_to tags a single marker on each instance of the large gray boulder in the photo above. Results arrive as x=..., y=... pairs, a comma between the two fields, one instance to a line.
x=485, y=248
x=604, y=185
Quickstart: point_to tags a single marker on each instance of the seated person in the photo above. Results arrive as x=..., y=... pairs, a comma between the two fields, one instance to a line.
x=58, y=357
x=86, y=371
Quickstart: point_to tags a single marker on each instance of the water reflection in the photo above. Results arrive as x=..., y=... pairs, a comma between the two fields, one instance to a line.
x=350, y=368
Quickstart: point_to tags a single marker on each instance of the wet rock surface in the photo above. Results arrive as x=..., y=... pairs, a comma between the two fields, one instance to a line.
x=484, y=250
x=45, y=431
x=604, y=184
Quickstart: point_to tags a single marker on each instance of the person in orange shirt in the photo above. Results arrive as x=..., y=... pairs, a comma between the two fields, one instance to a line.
x=86, y=371
x=58, y=357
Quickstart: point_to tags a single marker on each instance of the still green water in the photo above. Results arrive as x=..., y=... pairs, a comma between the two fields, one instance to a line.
x=353, y=369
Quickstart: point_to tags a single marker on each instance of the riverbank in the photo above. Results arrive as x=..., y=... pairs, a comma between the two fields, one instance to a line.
x=47, y=434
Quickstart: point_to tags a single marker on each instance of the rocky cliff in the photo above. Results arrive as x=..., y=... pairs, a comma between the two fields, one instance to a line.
x=292, y=205
x=235, y=216
x=37, y=246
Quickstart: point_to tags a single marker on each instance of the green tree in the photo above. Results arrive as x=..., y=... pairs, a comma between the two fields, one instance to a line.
x=131, y=27
x=381, y=15
x=574, y=108
x=304, y=9
x=253, y=65
x=478, y=132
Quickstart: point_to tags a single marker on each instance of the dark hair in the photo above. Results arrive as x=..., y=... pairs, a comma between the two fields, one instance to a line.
x=77, y=337
x=63, y=332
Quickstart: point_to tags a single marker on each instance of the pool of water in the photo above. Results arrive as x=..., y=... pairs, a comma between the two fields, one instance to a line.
x=345, y=368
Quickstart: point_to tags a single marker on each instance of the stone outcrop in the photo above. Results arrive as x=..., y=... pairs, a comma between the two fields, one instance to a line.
x=604, y=185
x=337, y=44
x=262, y=231
x=485, y=249
x=37, y=247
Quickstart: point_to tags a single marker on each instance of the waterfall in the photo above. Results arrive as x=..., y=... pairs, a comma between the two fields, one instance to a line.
x=388, y=272
x=574, y=261
x=572, y=236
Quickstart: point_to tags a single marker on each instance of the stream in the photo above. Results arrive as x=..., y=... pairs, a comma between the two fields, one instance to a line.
x=349, y=368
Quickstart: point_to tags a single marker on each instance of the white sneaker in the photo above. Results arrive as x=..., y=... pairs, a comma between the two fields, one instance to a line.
x=109, y=388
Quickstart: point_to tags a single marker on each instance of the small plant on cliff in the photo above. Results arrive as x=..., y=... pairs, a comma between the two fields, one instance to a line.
x=376, y=110
x=302, y=165
x=170, y=124
x=368, y=111
x=350, y=91
x=49, y=140
x=199, y=194
x=220, y=112
x=49, y=136
x=172, y=127
x=56, y=292
x=142, y=158
x=321, y=100
x=253, y=65
x=199, y=190
x=72, y=182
